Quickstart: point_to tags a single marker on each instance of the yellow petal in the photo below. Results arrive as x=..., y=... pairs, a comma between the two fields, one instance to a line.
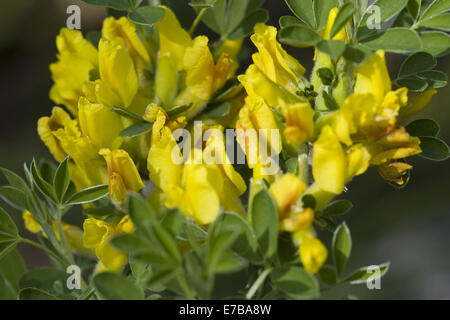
x=373, y=77
x=120, y=163
x=417, y=102
x=286, y=191
x=173, y=39
x=95, y=232
x=273, y=60
x=329, y=162
x=71, y=42
x=394, y=171
x=313, y=254
x=100, y=124
x=111, y=258
x=31, y=223
x=125, y=29
x=200, y=68
x=58, y=121
x=117, y=69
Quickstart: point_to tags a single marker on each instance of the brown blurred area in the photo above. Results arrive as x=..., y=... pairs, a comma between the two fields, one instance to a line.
x=409, y=227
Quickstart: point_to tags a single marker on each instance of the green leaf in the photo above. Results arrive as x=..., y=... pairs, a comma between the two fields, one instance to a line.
x=295, y=282
x=337, y=208
x=387, y=9
x=177, y=110
x=147, y=15
x=136, y=129
x=42, y=278
x=342, y=247
x=362, y=274
x=62, y=179
x=246, y=244
x=423, y=128
x=435, y=79
x=114, y=4
x=399, y=40
x=414, y=84
x=202, y=4
x=44, y=187
x=436, y=8
x=115, y=286
x=345, y=13
x=436, y=43
x=229, y=264
x=303, y=9
x=299, y=36
x=287, y=21
x=264, y=220
x=130, y=243
x=8, y=234
x=326, y=75
x=416, y=63
x=434, y=149
x=15, y=180
x=327, y=275
x=333, y=48
x=246, y=26
x=128, y=114
x=238, y=10
x=173, y=222
x=11, y=269
x=218, y=244
x=14, y=197
x=357, y=53
x=414, y=8
x=90, y=194
x=441, y=22
x=35, y=294
x=142, y=215
x=153, y=257
x=218, y=110
x=322, y=10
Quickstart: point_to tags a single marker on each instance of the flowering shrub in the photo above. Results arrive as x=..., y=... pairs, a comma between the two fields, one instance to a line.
x=147, y=112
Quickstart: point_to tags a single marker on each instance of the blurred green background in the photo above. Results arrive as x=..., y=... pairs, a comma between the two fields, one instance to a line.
x=409, y=227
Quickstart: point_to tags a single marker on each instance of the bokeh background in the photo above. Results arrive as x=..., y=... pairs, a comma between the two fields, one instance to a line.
x=409, y=227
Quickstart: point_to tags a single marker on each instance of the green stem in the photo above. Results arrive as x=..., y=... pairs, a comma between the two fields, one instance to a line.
x=197, y=20
x=258, y=283
x=187, y=291
x=49, y=252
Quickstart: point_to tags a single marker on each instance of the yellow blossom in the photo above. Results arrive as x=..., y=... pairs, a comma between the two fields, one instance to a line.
x=97, y=234
x=123, y=174
x=100, y=124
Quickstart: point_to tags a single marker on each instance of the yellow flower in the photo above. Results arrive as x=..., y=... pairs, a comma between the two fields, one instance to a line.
x=125, y=29
x=123, y=174
x=273, y=60
x=100, y=124
x=173, y=39
x=97, y=234
x=329, y=162
x=394, y=171
x=199, y=64
x=31, y=223
x=313, y=254
x=118, y=82
x=396, y=145
x=77, y=57
x=256, y=120
x=58, y=121
x=371, y=112
x=332, y=166
x=296, y=110
x=286, y=191
x=417, y=102
x=199, y=187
